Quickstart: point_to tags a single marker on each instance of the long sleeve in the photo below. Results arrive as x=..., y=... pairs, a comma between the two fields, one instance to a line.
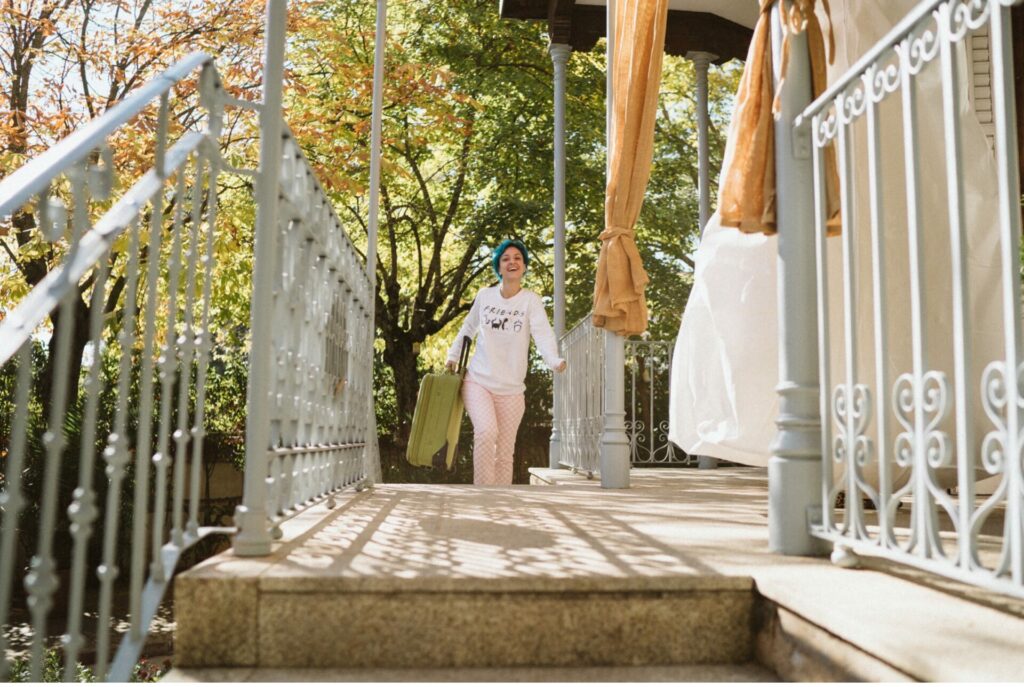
x=543, y=335
x=469, y=328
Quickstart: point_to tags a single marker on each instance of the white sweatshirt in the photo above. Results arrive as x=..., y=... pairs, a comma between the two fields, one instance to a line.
x=502, y=327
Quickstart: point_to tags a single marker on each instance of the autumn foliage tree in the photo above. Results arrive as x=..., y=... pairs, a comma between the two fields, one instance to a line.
x=63, y=63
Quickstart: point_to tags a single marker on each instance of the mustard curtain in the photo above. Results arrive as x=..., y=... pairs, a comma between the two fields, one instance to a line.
x=619, y=303
x=746, y=198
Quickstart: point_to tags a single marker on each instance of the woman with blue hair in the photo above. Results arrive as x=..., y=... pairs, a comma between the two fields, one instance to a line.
x=502, y=319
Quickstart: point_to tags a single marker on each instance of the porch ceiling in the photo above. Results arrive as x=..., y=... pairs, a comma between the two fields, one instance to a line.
x=720, y=27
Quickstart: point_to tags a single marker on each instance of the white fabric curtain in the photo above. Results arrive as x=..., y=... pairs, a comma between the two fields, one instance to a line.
x=723, y=400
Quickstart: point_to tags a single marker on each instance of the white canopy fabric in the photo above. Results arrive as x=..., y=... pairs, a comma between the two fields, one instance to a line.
x=725, y=367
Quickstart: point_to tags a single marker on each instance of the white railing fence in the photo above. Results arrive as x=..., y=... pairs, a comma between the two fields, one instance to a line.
x=319, y=392
x=579, y=401
x=147, y=262
x=310, y=430
x=921, y=405
x=648, y=379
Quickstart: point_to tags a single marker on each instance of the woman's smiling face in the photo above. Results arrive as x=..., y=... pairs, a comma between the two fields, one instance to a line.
x=511, y=264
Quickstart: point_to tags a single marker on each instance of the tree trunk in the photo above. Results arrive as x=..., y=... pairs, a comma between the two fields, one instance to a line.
x=399, y=355
x=79, y=338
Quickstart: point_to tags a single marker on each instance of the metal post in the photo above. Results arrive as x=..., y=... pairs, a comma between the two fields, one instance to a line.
x=614, y=441
x=372, y=456
x=559, y=58
x=253, y=538
x=701, y=61
x=794, y=469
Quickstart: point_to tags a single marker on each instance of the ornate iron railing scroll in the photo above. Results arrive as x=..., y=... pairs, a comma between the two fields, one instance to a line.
x=903, y=446
x=143, y=263
x=648, y=365
x=580, y=403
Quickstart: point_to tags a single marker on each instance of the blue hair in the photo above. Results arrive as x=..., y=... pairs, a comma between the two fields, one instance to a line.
x=502, y=247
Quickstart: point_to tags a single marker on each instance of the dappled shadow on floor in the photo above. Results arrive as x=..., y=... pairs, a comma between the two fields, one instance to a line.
x=673, y=524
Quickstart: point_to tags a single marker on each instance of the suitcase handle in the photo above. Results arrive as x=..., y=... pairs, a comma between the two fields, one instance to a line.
x=464, y=358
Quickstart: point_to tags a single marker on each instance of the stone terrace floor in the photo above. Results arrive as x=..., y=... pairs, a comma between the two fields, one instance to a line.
x=672, y=523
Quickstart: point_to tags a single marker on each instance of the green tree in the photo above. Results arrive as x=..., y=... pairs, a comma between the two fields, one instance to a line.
x=467, y=123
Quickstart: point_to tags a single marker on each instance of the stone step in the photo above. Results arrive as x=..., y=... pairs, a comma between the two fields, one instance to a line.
x=744, y=672
x=444, y=577
x=347, y=623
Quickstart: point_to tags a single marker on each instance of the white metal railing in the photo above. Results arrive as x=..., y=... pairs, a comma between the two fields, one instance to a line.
x=648, y=376
x=905, y=435
x=579, y=406
x=320, y=388
x=310, y=430
x=158, y=237
x=579, y=401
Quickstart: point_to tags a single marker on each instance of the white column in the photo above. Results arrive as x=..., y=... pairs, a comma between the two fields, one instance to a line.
x=701, y=62
x=614, y=441
x=794, y=469
x=371, y=453
x=251, y=518
x=559, y=58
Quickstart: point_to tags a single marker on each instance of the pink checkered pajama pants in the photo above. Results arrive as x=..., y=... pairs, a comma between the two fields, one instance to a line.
x=495, y=423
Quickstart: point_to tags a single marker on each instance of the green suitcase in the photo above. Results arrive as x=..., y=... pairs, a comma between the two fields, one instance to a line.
x=438, y=416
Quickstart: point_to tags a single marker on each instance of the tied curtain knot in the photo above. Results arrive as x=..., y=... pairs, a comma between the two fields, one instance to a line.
x=619, y=303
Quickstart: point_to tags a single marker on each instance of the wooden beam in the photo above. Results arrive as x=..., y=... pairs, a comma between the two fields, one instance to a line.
x=560, y=20
x=582, y=25
x=686, y=32
x=523, y=9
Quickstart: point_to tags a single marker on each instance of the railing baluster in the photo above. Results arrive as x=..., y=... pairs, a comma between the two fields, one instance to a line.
x=204, y=344
x=82, y=511
x=12, y=498
x=821, y=124
x=168, y=366
x=927, y=389
x=142, y=445
x=186, y=344
x=958, y=253
x=874, y=85
x=117, y=457
x=651, y=394
x=852, y=403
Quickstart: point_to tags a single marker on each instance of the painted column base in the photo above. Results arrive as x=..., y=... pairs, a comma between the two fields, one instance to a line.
x=253, y=538
x=615, y=465
x=707, y=462
x=794, y=496
x=555, y=453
